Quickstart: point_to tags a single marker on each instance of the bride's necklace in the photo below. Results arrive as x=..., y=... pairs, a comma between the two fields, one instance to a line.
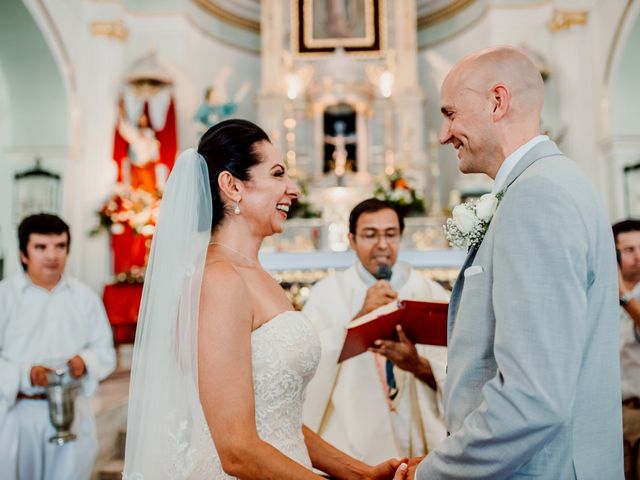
x=251, y=261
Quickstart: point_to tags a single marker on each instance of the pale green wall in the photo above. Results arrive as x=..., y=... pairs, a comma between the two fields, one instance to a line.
x=625, y=88
x=36, y=110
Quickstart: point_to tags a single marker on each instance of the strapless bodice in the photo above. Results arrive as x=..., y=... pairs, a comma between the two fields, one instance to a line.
x=285, y=356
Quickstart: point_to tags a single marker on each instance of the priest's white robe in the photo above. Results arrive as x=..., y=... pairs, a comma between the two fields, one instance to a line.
x=346, y=404
x=48, y=328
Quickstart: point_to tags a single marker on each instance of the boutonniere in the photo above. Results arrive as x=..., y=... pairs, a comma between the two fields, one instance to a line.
x=471, y=220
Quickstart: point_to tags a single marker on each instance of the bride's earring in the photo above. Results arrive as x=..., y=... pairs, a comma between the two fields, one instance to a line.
x=237, y=209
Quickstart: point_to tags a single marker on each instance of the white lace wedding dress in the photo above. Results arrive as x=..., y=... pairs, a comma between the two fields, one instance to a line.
x=286, y=352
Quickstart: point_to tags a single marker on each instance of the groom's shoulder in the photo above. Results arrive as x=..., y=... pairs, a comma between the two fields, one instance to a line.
x=556, y=174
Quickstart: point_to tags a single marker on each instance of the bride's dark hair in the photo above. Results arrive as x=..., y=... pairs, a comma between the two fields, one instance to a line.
x=229, y=146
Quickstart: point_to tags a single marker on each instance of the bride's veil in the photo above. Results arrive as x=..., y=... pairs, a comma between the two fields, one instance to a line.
x=167, y=436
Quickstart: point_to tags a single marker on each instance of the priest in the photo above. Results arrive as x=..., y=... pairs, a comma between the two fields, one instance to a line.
x=384, y=403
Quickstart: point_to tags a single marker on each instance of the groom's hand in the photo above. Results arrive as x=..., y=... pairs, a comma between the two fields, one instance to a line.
x=413, y=466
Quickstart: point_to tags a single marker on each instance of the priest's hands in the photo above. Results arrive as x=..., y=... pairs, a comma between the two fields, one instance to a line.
x=76, y=366
x=39, y=376
x=404, y=354
x=378, y=294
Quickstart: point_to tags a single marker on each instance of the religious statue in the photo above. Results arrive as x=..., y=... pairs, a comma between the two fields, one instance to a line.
x=145, y=170
x=215, y=107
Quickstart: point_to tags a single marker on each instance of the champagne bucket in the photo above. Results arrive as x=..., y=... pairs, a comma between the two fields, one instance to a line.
x=61, y=399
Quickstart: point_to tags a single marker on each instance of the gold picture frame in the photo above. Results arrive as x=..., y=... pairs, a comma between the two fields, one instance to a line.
x=320, y=26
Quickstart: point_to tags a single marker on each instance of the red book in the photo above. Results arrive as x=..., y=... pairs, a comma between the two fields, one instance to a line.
x=422, y=322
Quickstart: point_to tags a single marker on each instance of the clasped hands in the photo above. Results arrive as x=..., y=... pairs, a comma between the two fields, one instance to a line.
x=395, y=469
x=40, y=374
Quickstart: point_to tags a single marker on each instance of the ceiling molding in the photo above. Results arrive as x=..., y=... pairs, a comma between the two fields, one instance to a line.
x=443, y=13
x=227, y=16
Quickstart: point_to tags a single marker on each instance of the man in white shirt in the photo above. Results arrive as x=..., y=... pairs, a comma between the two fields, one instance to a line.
x=366, y=406
x=48, y=321
x=627, y=237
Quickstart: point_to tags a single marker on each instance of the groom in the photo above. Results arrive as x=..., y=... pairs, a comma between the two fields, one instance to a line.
x=533, y=382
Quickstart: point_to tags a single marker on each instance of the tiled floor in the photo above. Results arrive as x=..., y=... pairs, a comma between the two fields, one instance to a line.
x=110, y=407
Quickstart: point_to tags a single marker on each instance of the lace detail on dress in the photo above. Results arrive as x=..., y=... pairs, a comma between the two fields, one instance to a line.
x=285, y=356
x=286, y=352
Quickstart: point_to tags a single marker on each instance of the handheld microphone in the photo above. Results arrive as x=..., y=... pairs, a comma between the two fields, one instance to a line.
x=384, y=272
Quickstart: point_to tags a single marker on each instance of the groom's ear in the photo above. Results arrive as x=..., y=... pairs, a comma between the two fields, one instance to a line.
x=501, y=99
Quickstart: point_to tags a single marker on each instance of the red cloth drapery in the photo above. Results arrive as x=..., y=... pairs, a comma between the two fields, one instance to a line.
x=122, y=302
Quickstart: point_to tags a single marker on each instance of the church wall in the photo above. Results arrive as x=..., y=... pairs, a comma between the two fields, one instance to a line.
x=625, y=97
x=33, y=112
x=577, y=57
x=97, y=62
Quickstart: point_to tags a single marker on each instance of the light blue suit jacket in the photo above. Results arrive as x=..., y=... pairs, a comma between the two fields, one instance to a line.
x=533, y=383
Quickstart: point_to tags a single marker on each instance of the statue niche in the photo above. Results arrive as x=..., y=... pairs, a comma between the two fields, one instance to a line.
x=340, y=141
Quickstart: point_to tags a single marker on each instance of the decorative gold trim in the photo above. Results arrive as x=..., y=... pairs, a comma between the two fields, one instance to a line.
x=220, y=39
x=565, y=19
x=614, y=43
x=227, y=16
x=458, y=32
x=443, y=14
x=110, y=29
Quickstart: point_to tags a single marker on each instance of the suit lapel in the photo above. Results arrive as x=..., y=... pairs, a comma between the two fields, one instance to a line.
x=541, y=150
x=457, y=291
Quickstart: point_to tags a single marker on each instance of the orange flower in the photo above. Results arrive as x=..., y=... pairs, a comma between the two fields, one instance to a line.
x=401, y=183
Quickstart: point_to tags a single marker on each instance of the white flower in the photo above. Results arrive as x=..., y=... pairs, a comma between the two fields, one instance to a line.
x=464, y=218
x=486, y=207
x=471, y=220
x=117, y=228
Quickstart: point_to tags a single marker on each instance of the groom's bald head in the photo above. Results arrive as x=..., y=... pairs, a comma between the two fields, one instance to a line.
x=484, y=70
x=492, y=101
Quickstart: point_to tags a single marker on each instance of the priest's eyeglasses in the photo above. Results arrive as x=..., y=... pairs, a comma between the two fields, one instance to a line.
x=375, y=236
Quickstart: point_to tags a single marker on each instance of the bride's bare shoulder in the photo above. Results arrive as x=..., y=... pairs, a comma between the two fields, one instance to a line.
x=223, y=275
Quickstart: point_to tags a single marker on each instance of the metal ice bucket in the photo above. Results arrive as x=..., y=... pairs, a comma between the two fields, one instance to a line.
x=61, y=399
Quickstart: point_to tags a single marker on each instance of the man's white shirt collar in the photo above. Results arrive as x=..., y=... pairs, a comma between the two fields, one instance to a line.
x=511, y=161
x=23, y=281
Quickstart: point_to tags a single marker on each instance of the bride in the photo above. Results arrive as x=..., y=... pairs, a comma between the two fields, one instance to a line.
x=221, y=359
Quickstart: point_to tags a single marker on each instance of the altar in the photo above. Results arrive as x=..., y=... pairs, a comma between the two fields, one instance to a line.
x=345, y=108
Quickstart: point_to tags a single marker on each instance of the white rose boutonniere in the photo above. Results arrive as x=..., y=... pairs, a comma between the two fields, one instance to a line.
x=486, y=207
x=464, y=218
x=471, y=220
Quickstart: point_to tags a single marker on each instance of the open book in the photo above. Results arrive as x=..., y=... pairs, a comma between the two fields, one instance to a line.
x=422, y=322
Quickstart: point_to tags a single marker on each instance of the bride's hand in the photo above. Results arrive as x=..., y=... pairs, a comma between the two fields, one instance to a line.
x=391, y=469
x=401, y=472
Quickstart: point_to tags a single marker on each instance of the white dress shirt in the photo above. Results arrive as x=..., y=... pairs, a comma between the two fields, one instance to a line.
x=630, y=352
x=511, y=161
x=42, y=327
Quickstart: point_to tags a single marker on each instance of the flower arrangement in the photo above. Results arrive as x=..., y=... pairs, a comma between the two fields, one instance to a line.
x=395, y=188
x=471, y=220
x=302, y=206
x=131, y=207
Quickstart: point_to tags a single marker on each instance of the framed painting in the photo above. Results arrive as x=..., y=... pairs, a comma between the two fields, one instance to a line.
x=320, y=26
